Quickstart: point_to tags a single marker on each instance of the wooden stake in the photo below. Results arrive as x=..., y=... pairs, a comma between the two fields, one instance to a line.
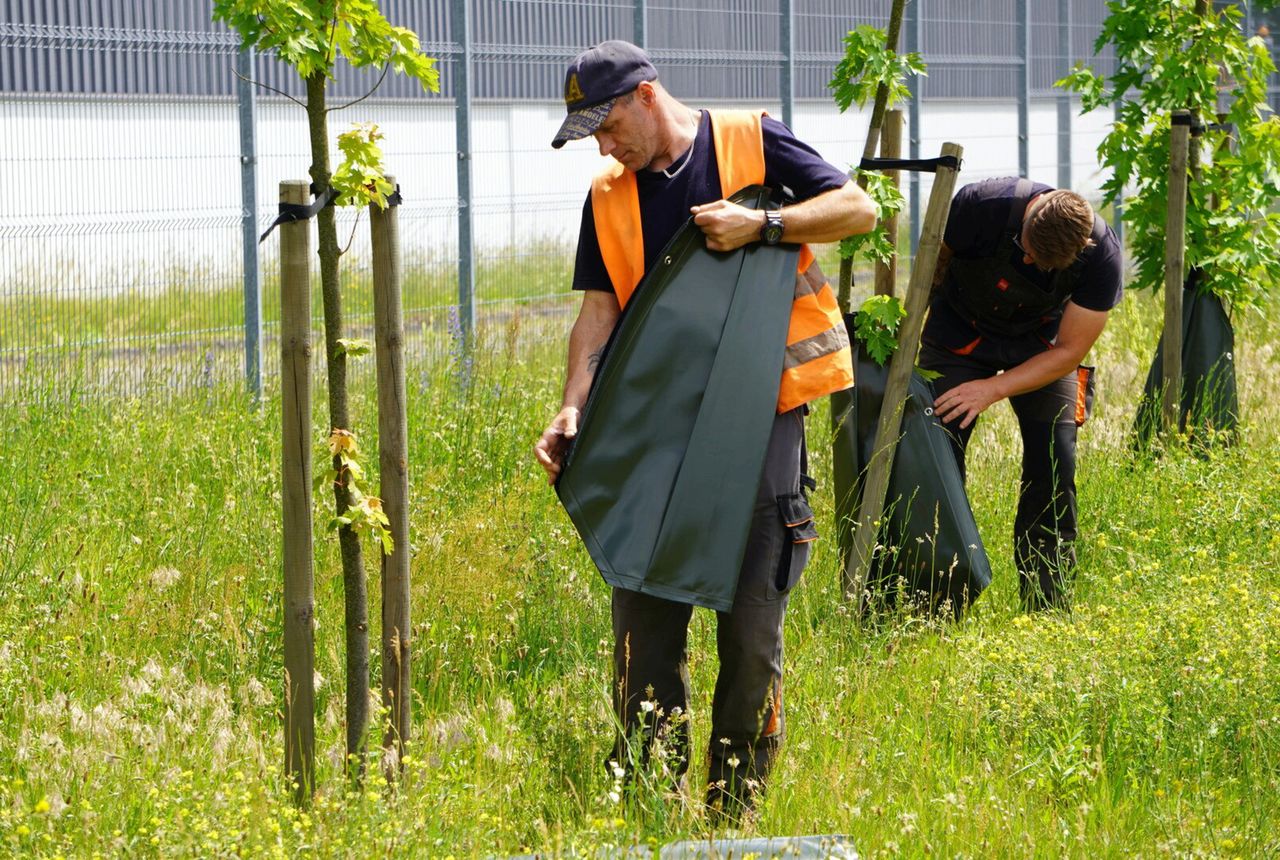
x=901, y=367
x=890, y=147
x=393, y=459
x=299, y=594
x=1174, y=247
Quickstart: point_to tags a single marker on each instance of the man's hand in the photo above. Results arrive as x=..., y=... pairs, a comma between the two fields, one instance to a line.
x=551, y=448
x=967, y=400
x=728, y=226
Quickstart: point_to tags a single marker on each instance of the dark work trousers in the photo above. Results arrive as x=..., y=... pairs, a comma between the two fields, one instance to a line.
x=1044, y=530
x=651, y=646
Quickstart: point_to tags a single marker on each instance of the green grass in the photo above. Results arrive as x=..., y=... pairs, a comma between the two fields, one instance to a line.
x=182, y=301
x=140, y=654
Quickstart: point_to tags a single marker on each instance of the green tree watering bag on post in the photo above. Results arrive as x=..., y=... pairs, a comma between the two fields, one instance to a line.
x=1210, y=406
x=929, y=542
x=661, y=479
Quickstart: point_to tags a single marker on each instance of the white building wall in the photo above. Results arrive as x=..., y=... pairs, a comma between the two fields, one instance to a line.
x=107, y=196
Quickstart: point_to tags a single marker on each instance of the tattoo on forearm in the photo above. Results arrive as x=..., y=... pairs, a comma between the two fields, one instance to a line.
x=593, y=360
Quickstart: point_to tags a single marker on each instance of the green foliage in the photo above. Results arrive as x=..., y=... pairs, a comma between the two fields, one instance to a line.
x=140, y=646
x=365, y=514
x=1169, y=58
x=355, y=347
x=876, y=325
x=887, y=200
x=359, y=179
x=310, y=36
x=867, y=64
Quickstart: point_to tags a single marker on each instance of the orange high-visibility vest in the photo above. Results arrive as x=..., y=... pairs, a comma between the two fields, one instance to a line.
x=818, y=360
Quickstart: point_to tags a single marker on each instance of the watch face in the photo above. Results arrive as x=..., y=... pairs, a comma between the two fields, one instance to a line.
x=772, y=232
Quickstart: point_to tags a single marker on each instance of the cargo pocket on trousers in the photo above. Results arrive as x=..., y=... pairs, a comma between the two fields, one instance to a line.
x=798, y=535
x=1084, y=393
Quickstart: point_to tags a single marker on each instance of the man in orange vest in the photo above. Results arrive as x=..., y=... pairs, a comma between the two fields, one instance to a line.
x=665, y=163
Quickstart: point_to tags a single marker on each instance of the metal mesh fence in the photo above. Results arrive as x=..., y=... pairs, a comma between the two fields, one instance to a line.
x=120, y=204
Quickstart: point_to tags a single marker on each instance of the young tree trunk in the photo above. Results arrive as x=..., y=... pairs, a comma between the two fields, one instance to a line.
x=844, y=286
x=353, y=578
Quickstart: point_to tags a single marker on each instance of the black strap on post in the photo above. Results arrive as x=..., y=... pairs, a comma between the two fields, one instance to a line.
x=298, y=212
x=916, y=165
x=394, y=198
x=1181, y=119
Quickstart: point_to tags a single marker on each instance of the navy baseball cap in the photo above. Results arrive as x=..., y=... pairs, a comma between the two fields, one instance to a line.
x=595, y=79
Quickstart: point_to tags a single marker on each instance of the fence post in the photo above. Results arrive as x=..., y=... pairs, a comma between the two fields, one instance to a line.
x=640, y=22
x=249, y=225
x=299, y=594
x=890, y=147
x=393, y=462
x=901, y=367
x=1174, y=245
x=1024, y=87
x=786, y=84
x=1064, y=97
x=461, y=12
x=914, y=17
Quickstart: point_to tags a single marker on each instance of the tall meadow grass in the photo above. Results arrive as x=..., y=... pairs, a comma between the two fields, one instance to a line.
x=140, y=652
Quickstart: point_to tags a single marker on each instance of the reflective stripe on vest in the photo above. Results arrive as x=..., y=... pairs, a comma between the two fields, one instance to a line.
x=818, y=359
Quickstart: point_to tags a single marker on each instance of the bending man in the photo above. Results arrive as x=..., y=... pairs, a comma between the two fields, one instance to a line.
x=1025, y=280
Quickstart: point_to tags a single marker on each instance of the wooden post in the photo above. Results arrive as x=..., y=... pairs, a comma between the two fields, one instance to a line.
x=890, y=147
x=844, y=288
x=876, y=485
x=393, y=459
x=1174, y=245
x=295, y=395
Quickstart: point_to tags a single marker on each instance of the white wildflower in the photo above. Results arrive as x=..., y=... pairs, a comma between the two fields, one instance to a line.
x=163, y=577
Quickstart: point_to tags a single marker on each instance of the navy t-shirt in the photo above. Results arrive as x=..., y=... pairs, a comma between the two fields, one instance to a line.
x=978, y=224
x=791, y=167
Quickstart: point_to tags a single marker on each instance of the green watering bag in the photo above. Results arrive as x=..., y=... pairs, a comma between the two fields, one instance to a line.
x=661, y=479
x=929, y=543
x=1210, y=403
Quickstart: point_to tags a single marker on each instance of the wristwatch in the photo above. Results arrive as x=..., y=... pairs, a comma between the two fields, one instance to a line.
x=771, y=230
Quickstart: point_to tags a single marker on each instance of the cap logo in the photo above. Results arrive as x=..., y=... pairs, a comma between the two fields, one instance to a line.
x=573, y=92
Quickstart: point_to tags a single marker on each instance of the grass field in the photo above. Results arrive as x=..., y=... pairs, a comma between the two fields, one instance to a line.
x=175, y=304
x=140, y=653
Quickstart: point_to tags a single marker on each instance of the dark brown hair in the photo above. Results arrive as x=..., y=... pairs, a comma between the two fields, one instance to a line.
x=1058, y=225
